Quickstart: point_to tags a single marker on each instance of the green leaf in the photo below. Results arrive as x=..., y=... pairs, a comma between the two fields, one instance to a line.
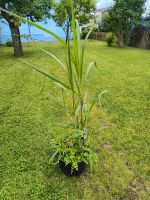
x=36, y=25
x=48, y=75
x=77, y=109
x=51, y=161
x=89, y=68
x=95, y=99
x=84, y=45
x=55, y=58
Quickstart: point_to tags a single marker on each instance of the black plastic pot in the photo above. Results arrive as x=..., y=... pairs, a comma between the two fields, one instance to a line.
x=66, y=169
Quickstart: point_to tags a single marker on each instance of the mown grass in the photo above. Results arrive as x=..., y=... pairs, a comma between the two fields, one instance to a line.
x=32, y=112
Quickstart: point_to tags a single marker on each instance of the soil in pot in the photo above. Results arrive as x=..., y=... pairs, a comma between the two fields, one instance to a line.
x=67, y=169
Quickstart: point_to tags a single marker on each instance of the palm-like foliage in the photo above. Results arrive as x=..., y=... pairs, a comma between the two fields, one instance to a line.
x=76, y=74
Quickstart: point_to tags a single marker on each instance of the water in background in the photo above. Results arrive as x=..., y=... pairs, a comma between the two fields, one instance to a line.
x=36, y=38
x=36, y=34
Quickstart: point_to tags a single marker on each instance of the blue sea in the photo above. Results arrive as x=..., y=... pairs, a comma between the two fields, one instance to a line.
x=36, y=34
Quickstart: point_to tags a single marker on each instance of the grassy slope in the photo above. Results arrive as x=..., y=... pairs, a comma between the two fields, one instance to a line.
x=31, y=111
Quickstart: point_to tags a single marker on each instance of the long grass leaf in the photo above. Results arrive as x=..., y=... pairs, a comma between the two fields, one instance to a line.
x=85, y=107
x=75, y=60
x=84, y=45
x=77, y=110
x=69, y=60
x=95, y=99
x=51, y=161
x=36, y=25
x=88, y=34
x=80, y=67
x=47, y=75
x=89, y=69
x=55, y=58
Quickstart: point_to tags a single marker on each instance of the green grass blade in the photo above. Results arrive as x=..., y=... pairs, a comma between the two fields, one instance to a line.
x=75, y=60
x=69, y=63
x=88, y=34
x=55, y=58
x=77, y=85
x=47, y=75
x=77, y=109
x=95, y=99
x=80, y=67
x=84, y=45
x=51, y=161
x=36, y=25
x=89, y=69
x=85, y=107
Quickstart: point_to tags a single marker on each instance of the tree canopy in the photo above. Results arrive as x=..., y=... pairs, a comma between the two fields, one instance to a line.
x=84, y=11
x=147, y=21
x=35, y=10
x=123, y=16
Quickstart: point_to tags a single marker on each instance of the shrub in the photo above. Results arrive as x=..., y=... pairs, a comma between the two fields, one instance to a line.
x=89, y=27
x=75, y=148
x=84, y=33
x=110, y=38
x=9, y=43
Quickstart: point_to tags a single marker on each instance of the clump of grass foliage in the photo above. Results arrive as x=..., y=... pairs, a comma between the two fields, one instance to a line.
x=76, y=85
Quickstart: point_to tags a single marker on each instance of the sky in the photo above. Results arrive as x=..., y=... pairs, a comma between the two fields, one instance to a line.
x=147, y=5
x=107, y=3
x=104, y=3
x=52, y=25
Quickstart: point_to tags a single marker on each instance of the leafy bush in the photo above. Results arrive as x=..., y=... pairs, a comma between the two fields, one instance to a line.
x=84, y=33
x=75, y=83
x=9, y=43
x=73, y=148
x=110, y=39
x=90, y=26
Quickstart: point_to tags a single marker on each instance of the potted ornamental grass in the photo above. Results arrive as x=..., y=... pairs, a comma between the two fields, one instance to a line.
x=72, y=150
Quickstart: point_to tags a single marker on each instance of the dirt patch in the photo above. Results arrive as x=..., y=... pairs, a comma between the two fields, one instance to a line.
x=107, y=146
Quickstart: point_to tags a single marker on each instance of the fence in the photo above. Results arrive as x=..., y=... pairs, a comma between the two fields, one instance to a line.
x=98, y=36
x=140, y=38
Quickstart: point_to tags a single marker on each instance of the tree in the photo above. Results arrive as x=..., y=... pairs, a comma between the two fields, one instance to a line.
x=147, y=21
x=84, y=12
x=35, y=10
x=122, y=17
x=103, y=24
x=0, y=33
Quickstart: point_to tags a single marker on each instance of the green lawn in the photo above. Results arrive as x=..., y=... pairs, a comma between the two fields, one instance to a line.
x=32, y=110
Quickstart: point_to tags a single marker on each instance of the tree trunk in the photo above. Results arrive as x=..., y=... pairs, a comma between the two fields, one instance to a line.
x=15, y=34
x=120, y=40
